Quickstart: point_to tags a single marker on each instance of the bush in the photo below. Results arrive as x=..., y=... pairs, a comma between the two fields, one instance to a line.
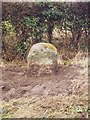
x=7, y=28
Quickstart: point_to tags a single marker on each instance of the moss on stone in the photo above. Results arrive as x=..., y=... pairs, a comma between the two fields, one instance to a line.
x=50, y=46
x=42, y=54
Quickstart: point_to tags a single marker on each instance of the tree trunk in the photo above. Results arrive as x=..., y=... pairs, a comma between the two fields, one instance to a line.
x=79, y=34
x=50, y=30
x=76, y=38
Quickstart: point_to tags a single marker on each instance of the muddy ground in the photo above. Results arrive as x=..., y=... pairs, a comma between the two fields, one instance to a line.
x=64, y=94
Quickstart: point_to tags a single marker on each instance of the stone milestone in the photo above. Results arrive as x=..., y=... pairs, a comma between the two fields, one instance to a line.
x=43, y=57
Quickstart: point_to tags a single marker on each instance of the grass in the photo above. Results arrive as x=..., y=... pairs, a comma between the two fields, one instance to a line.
x=74, y=105
x=57, y=106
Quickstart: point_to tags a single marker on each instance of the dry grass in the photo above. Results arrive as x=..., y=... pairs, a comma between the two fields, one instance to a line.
x=57, y=106
x=74, y=105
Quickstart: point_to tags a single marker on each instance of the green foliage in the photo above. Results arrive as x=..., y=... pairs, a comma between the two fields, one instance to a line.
x=30, y=22
x=13, y=45
x=83, y=47
x=33, y=19
x=22, y=48
x=36, y=28
x=52, y=14
x=7, y=28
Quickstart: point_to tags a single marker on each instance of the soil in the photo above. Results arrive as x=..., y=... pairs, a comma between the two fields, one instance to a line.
x=68, y=86
x=16, y=83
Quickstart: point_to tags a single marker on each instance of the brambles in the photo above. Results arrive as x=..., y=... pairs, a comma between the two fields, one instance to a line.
x=30, y=23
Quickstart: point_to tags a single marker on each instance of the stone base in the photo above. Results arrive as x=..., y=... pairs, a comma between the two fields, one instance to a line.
x=41, y=70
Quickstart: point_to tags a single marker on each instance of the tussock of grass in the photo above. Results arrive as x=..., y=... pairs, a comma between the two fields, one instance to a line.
x=56, y=106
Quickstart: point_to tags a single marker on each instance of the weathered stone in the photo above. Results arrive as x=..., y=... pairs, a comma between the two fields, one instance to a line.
x=44, y=55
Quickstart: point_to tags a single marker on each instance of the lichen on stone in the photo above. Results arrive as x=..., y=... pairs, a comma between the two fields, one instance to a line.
x=49, y=46
x=42, y=54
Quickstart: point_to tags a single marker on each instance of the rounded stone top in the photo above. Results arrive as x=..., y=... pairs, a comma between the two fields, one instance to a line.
x=43, y=46
x=42, y=54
